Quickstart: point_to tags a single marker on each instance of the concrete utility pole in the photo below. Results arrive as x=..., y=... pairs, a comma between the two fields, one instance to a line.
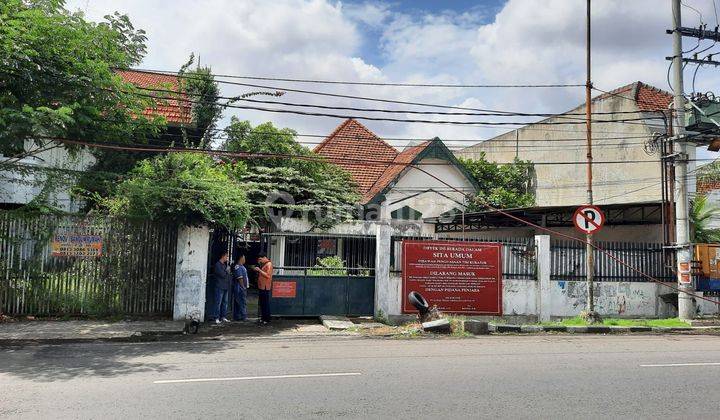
x=590, y=258
x=686, y=304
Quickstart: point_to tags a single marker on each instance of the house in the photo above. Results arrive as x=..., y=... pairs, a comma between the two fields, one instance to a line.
x=18, y=188
x=423, y=180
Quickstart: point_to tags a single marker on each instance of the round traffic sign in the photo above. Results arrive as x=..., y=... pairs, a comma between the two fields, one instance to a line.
x=589, y=219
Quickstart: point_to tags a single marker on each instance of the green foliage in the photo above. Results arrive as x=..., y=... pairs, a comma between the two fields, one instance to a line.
x=321, y=191
x=57, y=80
x=701, y=214
x=202, y=89
x=182, y=188
x=329, y=266
x=501, y=185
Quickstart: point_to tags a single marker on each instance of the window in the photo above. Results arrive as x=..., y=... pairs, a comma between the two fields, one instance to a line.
x=406, y=213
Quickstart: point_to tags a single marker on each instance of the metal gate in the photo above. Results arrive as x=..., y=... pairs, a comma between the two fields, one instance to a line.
x=321, y=274
x=322, y=295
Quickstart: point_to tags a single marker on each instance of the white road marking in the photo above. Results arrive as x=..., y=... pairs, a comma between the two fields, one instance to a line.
x=252, y=378
x=683, y=364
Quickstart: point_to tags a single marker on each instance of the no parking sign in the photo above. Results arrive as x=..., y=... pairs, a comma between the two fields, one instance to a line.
x=589, y=219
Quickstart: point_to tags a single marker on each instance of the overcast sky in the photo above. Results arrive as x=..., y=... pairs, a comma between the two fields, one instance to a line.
x=474, y=42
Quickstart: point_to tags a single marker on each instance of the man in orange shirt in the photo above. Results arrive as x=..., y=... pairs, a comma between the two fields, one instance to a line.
x=265, y=276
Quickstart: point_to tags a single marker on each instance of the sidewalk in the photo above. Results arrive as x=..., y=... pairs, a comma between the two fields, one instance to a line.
x=57, y=331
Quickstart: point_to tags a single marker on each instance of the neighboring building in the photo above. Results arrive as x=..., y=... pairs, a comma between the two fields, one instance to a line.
x=424, y=180
x=553, y=142
x=18, y=188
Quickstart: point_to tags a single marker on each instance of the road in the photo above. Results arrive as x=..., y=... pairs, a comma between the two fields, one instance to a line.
x=490, y=377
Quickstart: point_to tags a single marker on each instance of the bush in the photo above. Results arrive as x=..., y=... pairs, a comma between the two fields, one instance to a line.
x=181, y=188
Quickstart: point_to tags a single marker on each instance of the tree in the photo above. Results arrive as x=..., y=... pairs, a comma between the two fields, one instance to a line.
x=182, y=188
x=298, y=182
x=57, y=78
x=701, y=214
x=202, y=89
x=501, y=185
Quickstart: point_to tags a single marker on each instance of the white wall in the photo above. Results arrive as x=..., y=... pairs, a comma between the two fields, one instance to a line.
x=430, y=204
x=22, y=187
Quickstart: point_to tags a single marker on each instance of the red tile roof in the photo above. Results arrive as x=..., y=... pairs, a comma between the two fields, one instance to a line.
x=647, y=98
x=705, y=186
x=175, y=111
x=353, y=140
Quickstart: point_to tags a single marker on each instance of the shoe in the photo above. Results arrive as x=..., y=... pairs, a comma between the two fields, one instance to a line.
x=225, y=320
x=217, y=321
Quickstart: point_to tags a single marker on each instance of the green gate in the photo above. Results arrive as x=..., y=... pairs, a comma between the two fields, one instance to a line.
x=303, y=295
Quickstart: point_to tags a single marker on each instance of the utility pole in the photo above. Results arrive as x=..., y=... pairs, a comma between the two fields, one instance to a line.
x=686, y=304
x=589, y=250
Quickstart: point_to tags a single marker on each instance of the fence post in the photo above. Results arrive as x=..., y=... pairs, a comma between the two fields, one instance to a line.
x=382, y=269
x=191, y=273
x=543, y=304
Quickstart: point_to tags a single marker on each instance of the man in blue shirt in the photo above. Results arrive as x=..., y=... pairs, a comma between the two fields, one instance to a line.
x=240, y=286
x=221, y=275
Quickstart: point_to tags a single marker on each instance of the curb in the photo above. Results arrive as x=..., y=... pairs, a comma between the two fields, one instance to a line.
x=592, y=329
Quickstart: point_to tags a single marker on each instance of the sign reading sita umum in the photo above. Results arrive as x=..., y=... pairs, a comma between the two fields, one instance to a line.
x=458, y=277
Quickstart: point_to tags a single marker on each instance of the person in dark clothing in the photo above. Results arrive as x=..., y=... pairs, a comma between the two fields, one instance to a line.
x=221, y=275
x=241, y=282
x=265, y=277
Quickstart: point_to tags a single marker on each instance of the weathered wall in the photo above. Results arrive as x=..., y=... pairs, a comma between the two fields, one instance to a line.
x=191, y=272
x=565, y=184
x=519, y=297
x=618, y=299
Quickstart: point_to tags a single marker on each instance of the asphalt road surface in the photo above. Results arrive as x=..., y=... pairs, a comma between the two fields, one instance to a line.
x=490, y=377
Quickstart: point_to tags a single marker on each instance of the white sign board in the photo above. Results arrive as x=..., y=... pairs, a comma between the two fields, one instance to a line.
x=589, y=219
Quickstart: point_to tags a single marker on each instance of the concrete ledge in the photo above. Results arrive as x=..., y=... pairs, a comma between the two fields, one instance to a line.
x=531, y=328
x=507, y=328
x=576, y=329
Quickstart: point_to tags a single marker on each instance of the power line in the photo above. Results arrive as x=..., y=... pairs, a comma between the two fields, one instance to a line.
x=364, y=98
x=358, y=83
x=263, y=155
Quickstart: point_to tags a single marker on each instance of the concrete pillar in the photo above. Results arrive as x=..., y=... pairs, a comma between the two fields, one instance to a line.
x=382, y=270
x=277, y=247
x=191, y=273
x=543, y=304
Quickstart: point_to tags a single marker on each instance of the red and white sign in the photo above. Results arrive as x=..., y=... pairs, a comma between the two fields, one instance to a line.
x=684, y=273
x=458, y=277
x=284, y=289
x=589, y=219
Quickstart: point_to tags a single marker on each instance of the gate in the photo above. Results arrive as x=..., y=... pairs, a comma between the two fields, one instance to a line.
x=321, y=274
x=305, y=295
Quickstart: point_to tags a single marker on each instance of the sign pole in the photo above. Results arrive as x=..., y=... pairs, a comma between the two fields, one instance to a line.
x=686, y=305
x=590, y=258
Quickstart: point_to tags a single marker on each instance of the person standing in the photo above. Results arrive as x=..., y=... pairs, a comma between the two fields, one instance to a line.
x=240, y=285
x=265, y=276
x=221, y=274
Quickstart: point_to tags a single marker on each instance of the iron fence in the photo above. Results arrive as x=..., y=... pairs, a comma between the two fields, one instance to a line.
x=518, y=254
x=312, y=252
x=134, y=273
x=567, y=261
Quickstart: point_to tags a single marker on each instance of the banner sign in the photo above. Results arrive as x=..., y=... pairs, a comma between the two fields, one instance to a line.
x=284, y=289
x=458, y=277
x=77, y=241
